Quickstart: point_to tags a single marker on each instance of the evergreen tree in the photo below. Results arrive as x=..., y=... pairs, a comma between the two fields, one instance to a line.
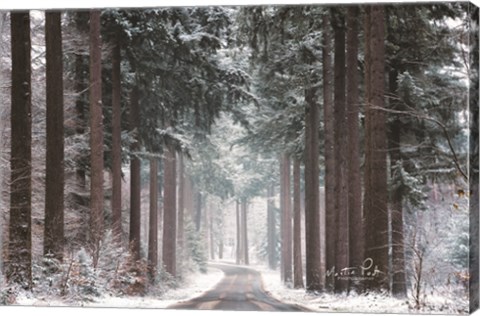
x=19, y=264
x=375, y=195
x=96, y=135
x=54, y=182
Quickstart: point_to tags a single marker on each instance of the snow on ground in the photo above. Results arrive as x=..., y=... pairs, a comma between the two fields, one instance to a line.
x=193, y=286
x=373, y=303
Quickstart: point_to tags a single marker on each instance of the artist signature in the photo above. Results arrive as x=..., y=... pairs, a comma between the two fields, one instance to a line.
x=367, y=270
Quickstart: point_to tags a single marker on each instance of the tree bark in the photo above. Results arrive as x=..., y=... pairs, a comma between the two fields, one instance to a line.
x=271, y=228
x=473, y=159
x=244, y=210
x=376, y=195
x=135, y=178
x=239, y=234
x=399, y=287
x=181, y=205
x=330, y=213
x=356, y=240
x=341, y=182
x=170, y=213
x=297, y=228
x=81, y=87
x=19, y=261
x=54, y=173
x=96, y=135
x=153, y=221
x=286, y=211
x=116, y=143
x=198, y=209
x=312, y=202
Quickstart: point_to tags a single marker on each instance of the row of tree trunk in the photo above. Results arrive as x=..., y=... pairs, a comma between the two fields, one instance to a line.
x=19, y=258
x=356, y=235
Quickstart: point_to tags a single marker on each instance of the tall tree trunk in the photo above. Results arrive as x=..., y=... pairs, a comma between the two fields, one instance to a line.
x=198, y=209
x=356, y=241
x=153, y=221
x=297, y=228
x=54, y=173
x=286, y=211
x=210, y=232
x=181, y=205
x=19, y=261
x=244, y=210
x=330, y=213
x=399, y=287
x=341, y=183
x=239, y=234
x=473, y=163
x=96, y=135
x=81, y=88
x=170, y=213
x=376, y=195
x=313, y=267
x=271, y=228
x=135, y=177
x=188, y=194
x=116, y=143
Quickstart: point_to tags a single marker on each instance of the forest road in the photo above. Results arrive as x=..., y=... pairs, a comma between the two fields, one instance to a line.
x=241, y=289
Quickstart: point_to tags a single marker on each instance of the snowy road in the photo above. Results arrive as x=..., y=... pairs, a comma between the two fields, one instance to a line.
x=240, y=290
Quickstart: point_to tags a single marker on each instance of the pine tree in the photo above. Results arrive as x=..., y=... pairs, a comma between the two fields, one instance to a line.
x=271, y=228
x=297, y=228
x=153, y=220
x=135, y=176
x=286, y=219
x=54, y=182
x=170, y=213
x=341, y=168
x=312, y=200
x=356, y=240
x=330, y=216
x=375, y=195
x=116, y=141
x=19, y=261
x=96, y=135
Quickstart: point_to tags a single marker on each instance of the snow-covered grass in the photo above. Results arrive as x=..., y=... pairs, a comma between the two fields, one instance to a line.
x=196, y=284
x=193, y=286
x=372, y=303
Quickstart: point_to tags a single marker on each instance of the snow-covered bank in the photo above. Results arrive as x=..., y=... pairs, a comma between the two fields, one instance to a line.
x=372, y=303
x=194, y=285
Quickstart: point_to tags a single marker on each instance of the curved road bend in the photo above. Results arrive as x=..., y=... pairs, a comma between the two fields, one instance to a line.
x=241, y=289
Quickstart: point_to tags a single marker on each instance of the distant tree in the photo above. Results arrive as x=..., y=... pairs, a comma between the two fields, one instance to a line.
x=153, y=220
x=244, y=211
x=271, y=228
x=286, y=219
x=238, y=241
x=135, y=176
x=54, y=173
x=170, y=213
x=297, y=227
x=181, y=205
x=19, y=260
x=116, y=140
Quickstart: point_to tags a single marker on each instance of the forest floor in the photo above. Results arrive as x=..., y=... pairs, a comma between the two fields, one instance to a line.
x=198, y=283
